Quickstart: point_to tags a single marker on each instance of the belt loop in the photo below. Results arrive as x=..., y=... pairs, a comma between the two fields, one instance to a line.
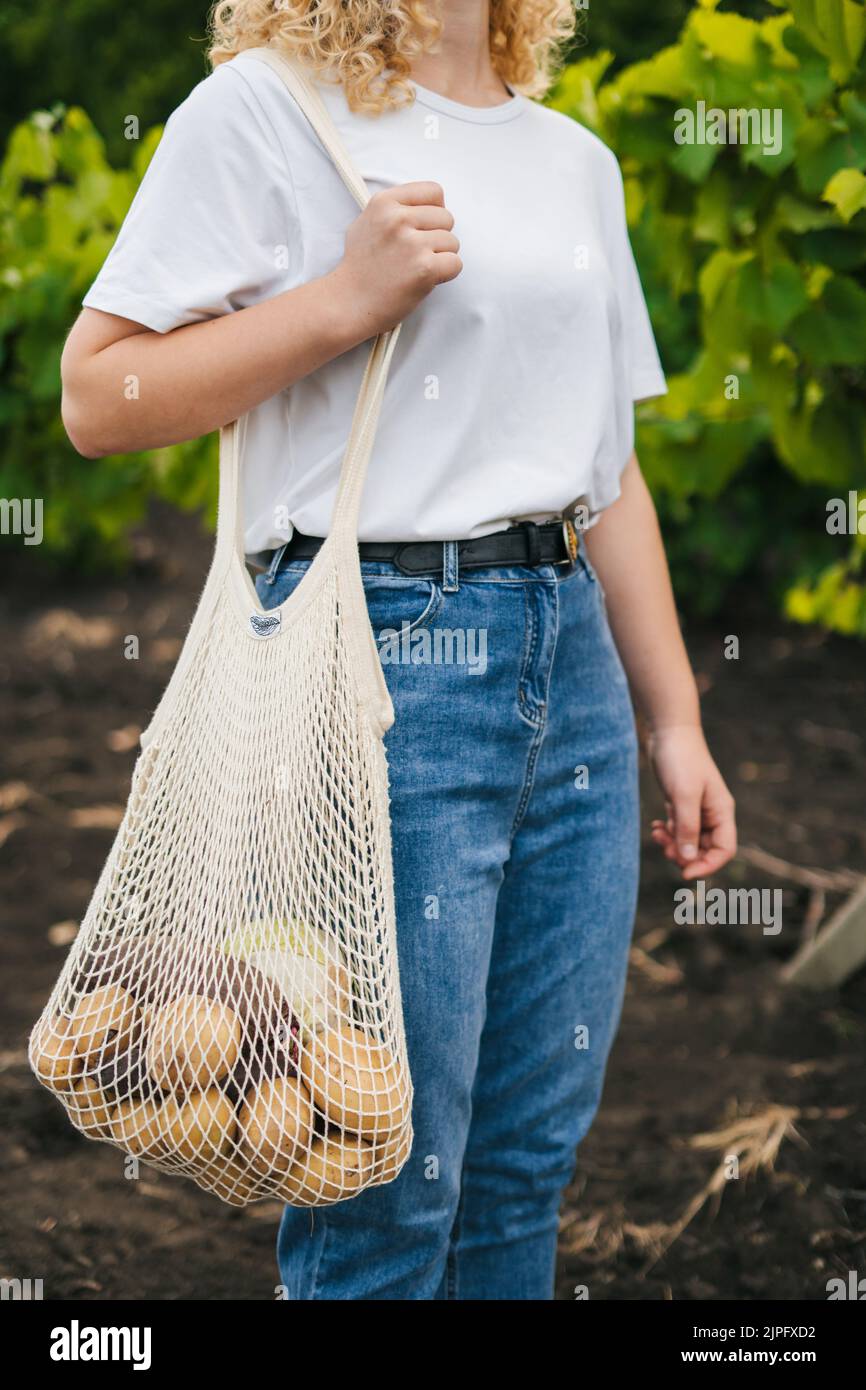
x=450, y=568
x=274, y=566
x=533, y=543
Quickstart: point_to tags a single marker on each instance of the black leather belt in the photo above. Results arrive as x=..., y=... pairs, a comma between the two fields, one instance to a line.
x=554, y=543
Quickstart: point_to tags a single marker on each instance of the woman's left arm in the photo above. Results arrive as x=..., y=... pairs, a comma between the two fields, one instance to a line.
x=625, y=548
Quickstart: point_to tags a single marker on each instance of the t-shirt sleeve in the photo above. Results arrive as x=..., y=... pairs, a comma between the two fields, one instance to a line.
x=213, y=226
x=645, y=375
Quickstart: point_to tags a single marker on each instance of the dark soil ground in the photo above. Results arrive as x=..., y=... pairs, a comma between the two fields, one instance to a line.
x=711, y=1038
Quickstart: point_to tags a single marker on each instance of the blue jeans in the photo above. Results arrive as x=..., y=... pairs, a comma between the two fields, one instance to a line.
x=513, y=774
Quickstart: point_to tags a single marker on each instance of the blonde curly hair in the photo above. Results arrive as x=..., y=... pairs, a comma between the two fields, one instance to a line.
x=368, y=46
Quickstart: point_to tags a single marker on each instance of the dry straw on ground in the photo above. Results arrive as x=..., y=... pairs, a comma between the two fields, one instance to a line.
x=748, y=1145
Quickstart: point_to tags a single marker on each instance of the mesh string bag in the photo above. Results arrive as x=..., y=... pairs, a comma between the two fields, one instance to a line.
x=230, y=1009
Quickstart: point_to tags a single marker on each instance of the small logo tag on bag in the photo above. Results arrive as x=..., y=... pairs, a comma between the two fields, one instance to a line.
x=265, y=624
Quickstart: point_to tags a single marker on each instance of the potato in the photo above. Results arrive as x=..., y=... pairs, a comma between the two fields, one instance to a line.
x=275, y=1121
x=335, y=1167
x=391, y=1155
x=193, y=1043
x=138, y=1127
x=232, y=1182
x=58, y=1024
x=355, y=1082
x=102, y=1021
x=88, y=1107
x=52, y=1054
x=201, y=1128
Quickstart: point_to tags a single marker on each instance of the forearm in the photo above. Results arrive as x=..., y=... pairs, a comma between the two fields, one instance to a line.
x=145, y=390
x=625, y=547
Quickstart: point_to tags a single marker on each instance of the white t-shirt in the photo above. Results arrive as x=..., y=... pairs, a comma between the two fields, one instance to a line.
x=512, y=387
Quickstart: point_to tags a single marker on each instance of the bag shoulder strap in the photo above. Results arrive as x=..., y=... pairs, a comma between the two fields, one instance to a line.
x=344, y=521
x=305, y=93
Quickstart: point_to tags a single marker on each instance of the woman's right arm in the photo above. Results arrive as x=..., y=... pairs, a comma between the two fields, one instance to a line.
x=128, y=388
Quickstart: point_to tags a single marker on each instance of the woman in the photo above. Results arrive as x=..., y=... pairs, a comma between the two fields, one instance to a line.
x=243, y=281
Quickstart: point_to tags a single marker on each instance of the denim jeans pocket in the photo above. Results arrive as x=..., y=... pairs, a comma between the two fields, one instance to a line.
x=400, y=603
x=395, y=602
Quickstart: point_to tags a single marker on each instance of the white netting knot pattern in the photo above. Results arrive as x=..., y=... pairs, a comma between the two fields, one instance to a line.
x=230, y=1009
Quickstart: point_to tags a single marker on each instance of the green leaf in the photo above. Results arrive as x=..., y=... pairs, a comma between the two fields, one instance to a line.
x=717, y=272
x=576, y=89
x=795, y=215
x=832, y=331
x=847, y=192
x=836, y=28
x=769, y=297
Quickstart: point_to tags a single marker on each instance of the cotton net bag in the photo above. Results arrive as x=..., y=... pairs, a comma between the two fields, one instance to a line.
x=230, y=1009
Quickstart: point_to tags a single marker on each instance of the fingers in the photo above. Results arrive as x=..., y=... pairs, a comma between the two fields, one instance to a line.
x=428, y=217
x=439, y=256
x=415, y=193
x=708, y=862
x=686, y=825
x=720, y=830
x=719, y=839
x=441, y=241
x=715, y=842
x=423, y=215
x=661, y=836
x=418, y=210
x=448, y=266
